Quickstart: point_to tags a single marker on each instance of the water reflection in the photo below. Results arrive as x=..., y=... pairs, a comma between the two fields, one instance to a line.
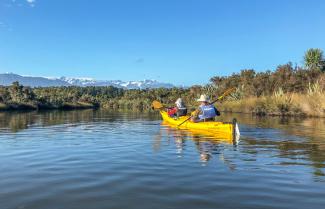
x=294, y=140
x=312, y=128
x=300, y=140
x=297, y=141
x=102, y=159
x=207, y=145
x=298, y=152
x=18, y=121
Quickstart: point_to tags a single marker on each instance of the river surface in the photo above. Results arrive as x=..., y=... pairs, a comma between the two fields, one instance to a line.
x=96, y=159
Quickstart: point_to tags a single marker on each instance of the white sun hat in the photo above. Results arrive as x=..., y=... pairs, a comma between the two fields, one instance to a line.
x=203, y=98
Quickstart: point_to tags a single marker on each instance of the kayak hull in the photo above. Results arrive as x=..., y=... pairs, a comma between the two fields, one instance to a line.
x=225, y=130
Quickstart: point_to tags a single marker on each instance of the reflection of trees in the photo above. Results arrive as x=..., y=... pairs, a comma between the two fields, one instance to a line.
x=17, y=121
x=14, y=124
x=312, y=129
x=293, y=150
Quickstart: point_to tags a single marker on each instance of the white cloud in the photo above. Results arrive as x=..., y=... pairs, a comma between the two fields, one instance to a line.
x=20, y=3
x=31, y=2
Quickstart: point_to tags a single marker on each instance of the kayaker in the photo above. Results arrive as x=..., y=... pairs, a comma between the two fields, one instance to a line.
x=179, y=110
x=206, y=111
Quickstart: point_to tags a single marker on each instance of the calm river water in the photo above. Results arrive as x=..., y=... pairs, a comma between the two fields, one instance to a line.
x=99, y=160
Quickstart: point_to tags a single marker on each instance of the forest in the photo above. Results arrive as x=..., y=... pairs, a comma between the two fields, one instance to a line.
x=287, y=90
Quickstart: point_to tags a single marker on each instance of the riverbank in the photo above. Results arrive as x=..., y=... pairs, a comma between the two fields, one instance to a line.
x=292, y=105
x=303, y=105
x=33, y=106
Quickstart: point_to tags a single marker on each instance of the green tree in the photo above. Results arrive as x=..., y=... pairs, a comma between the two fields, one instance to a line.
x=16, y=92
x=314, y=59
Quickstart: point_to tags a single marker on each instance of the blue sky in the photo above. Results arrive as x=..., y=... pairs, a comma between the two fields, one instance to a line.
x=179, y=41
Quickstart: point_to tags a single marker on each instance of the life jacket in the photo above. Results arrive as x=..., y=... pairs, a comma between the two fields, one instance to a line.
x=172, y=111
x=177, y=111
x=208, y=112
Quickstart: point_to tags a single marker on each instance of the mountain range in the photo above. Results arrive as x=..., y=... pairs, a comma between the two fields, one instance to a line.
x=7, y=79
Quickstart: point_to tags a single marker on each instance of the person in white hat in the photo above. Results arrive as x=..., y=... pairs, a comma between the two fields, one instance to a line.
x=207, y=111
x=179, y=110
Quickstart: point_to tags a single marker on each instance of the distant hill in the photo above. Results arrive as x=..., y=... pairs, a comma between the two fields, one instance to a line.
x=7, y=79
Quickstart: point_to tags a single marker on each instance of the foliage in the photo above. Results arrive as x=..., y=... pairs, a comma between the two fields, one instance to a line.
x=288, y=78
x=314, y=59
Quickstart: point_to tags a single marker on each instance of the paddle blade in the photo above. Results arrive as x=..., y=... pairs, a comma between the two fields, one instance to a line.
x=157, y=105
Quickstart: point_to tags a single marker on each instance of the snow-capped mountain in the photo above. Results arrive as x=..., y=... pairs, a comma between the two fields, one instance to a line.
x=8, y=78
x=79, y=81
x=116, y=83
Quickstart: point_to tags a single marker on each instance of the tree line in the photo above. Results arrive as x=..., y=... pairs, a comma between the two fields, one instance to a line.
x=286, y=78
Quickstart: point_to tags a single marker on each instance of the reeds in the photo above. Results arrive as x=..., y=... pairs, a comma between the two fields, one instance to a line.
x=283, y=104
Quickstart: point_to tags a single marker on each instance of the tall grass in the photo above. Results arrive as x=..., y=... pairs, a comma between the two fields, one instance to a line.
x=314, y=89
x=280, y=103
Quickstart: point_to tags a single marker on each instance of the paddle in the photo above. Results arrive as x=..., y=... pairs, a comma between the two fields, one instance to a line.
x=157, y=105
x=229, y=91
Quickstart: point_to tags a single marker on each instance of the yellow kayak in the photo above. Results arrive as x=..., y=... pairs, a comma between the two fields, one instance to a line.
x=225, y=130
